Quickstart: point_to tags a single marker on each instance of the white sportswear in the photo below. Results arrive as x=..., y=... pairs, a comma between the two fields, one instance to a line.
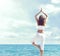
x=40, y=38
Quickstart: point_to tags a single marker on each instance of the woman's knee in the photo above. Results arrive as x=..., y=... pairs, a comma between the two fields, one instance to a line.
x=33, y=42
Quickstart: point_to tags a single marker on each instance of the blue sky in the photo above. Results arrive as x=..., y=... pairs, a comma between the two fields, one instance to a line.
x=18, y=25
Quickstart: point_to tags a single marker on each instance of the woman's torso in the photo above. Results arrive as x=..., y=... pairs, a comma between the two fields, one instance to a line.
x=41, y=24
x=40, y=29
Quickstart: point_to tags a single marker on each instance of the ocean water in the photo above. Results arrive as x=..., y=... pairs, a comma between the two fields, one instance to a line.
x=28, y=50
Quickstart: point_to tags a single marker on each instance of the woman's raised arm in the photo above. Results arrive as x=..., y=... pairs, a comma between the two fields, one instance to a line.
x=37, y=15
x=45, y=14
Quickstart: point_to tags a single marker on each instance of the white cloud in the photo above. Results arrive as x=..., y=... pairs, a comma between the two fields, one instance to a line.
x=55, y=32
x=57, y=37
x=49, y=8
x=11, y=15
x=55, y=1
x=7, y=40
x=55, y=29
x=17, y=23
x=7, y=34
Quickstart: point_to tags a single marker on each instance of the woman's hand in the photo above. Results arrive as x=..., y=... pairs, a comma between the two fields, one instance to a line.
x=43, y=12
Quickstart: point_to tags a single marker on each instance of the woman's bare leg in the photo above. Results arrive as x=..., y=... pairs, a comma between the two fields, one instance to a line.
x=41, y=52
x=36, y=45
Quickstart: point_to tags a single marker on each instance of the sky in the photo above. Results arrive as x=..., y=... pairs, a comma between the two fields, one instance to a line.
x=18, y=25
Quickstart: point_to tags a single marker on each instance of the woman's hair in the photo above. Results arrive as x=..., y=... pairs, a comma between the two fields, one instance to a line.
x=41, y=20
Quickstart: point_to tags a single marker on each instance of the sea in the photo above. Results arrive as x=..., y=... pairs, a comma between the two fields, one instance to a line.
x=28, y=50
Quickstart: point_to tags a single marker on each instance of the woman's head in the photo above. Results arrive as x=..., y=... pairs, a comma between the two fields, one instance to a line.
x=41, y=17
x=41, y=20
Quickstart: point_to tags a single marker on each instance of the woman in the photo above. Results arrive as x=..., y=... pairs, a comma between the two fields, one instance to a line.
x=41, y=21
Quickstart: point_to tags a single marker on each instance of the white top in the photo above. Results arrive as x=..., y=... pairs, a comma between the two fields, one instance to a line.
x=41, y=27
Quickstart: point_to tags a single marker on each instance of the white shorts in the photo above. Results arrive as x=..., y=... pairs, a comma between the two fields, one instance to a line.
x=39, y=39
